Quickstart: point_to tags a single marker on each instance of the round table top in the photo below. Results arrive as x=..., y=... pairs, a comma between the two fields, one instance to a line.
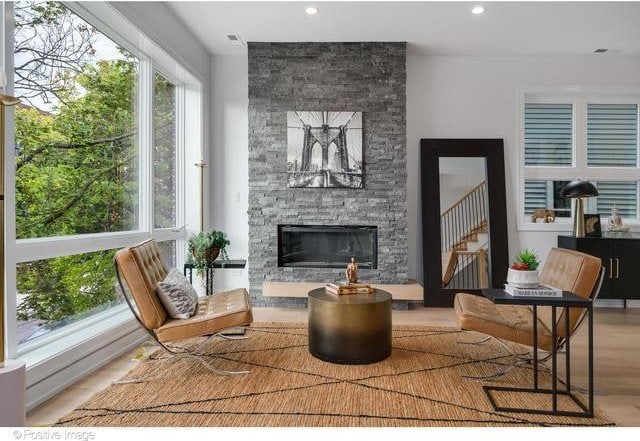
x=376, y=296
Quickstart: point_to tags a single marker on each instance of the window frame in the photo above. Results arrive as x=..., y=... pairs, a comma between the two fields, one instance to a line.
x=189, y=142
x=179, y=148
x=579, y=97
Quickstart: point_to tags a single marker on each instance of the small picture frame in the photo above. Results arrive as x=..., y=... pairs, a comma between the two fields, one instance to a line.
x=592, y=225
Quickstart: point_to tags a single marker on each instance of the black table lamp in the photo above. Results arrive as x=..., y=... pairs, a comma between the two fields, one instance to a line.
x=578, y=190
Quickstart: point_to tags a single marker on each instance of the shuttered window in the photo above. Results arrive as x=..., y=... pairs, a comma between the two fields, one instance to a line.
x=546, y=194
x=623, y=195
x=612, y=135
x=548, y=134
x=584, y=134
x=535, y=196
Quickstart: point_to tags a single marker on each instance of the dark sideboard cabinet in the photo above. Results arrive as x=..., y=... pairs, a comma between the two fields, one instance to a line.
x=621, y=259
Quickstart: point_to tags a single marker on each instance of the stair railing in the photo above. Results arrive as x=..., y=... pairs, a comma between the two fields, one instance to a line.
x=464, y=218
x=471, y=270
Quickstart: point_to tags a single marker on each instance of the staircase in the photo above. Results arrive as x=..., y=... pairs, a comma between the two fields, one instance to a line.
x=464, y=239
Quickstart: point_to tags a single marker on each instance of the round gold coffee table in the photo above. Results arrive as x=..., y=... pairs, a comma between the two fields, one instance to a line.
x=350, y=329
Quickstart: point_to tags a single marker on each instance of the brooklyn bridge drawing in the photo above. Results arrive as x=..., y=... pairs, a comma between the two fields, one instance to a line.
x=324, y=149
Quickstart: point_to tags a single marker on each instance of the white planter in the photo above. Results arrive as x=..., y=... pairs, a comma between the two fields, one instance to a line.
x=12, y=393
x=522, y=279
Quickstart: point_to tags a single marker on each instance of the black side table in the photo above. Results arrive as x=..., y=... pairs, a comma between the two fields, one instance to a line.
x=208, y=274
x=567, y=301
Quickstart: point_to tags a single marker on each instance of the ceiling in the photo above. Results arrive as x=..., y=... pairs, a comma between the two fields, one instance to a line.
x=430, y=28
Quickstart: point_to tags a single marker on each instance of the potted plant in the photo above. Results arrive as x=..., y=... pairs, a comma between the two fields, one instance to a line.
x=205, y=247
x=523, y=273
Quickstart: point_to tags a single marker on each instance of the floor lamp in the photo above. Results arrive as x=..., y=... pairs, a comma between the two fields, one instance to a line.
x=578, y=190
x=201, y=164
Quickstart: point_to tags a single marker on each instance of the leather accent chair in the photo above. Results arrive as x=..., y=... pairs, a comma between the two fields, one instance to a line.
x=568, y=270
x=139, y=269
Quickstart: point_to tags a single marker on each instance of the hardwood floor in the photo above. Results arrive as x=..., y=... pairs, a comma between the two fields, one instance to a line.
x=617, y=357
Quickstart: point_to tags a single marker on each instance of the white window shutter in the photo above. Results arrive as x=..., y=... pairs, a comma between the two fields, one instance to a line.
x=535, y=196
x=612, y=135
x=548, y=134
x=624, y=195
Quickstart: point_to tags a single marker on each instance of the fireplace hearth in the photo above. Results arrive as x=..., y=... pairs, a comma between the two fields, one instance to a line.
x=320, y=246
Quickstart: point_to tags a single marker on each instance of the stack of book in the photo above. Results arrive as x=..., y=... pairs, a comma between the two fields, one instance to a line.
x=339, y=289
x=540, y=291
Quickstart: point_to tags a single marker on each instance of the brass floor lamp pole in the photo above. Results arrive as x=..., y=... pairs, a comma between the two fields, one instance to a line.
x=5, y=100
x=201, y=164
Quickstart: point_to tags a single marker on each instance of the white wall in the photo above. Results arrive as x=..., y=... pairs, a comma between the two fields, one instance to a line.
x=475, y=97
x=457, y=177
x=157, y=22
x=229, y=167
x=448, y=97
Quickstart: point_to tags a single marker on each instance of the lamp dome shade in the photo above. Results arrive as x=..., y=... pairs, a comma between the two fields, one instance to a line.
x=579, y=189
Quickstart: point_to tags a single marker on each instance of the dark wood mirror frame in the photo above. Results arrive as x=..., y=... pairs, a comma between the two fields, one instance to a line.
x=431, y=150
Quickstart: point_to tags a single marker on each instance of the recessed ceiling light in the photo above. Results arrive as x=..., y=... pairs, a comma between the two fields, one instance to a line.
x=477, y=10
x=311, y=10
x=601, y=50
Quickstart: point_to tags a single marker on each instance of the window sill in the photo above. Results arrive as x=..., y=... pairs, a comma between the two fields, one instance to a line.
x=52, y=368
x=559, y=227
x=566, y=227
x=58, y=345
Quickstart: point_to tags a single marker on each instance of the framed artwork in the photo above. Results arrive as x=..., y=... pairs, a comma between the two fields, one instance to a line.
x=592, y=226
x=324, y=149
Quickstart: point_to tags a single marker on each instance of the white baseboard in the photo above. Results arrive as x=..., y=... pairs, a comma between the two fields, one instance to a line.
x=65, y=368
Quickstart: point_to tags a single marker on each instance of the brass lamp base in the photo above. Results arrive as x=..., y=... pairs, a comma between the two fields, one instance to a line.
x=578, y=218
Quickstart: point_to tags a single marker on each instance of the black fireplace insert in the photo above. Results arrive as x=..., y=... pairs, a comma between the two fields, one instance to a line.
x=319, y=246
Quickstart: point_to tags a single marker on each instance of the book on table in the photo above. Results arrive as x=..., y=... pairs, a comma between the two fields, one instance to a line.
x=348, y=288
x=539, y=291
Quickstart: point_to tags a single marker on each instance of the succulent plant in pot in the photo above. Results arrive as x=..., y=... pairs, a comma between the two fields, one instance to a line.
x=523, y=273
x=205, y=247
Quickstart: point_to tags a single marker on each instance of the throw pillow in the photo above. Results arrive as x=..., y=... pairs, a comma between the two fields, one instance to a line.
x=177, y=295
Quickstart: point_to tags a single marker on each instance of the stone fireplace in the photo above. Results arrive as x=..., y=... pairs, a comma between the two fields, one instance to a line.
x=360, y=77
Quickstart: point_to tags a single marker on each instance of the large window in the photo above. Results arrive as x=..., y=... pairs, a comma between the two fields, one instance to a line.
x=568, y=135
x=53, y=293
x=76, y=145
x=99, y=142
x=164, y=152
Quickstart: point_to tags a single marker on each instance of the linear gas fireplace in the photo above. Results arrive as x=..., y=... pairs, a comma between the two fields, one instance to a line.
x=319, y=246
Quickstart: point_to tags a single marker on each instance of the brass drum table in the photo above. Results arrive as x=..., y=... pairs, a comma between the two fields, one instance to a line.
x=350, y=329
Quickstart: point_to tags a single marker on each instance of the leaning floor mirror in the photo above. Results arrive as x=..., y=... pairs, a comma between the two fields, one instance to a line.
x=464, y=224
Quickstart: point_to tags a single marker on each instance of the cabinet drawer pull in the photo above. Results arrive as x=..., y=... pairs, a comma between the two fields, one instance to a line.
x=610, y=268
x=617, y=268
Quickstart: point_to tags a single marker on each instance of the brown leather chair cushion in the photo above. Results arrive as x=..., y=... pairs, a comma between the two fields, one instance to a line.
x=142, y=267
x=215, y=313
x=513, y=323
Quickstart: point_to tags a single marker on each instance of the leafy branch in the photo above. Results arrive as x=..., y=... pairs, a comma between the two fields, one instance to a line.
x=84, y=188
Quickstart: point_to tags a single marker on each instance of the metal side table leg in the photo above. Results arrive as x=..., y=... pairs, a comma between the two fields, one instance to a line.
x=590, y=312
x=535, y=347
x=554, y=367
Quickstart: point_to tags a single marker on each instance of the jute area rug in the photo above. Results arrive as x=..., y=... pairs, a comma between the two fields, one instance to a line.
x=420, y=384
